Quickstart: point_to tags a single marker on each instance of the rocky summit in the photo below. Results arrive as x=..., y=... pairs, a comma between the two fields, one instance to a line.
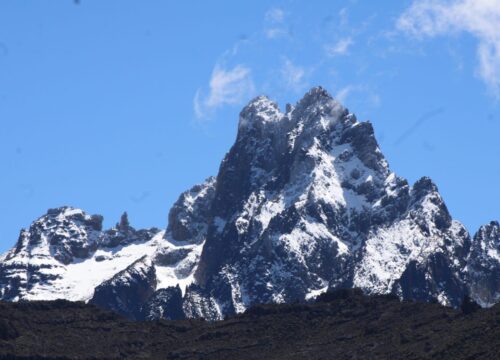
x=304, y=202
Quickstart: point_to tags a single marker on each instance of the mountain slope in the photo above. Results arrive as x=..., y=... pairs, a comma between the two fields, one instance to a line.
x=303, y=202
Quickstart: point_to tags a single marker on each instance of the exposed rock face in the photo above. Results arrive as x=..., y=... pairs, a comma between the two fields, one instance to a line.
x=65, y=254
x=188, y=218
x=164, y=304
x=303, y=202
x=54, y=240
x=127, y=291
x=484, y=265
x=420, y=255
x=69, y=233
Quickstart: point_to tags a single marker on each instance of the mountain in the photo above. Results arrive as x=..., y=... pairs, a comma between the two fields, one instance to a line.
x=483, y=267
x=303, y=202
x=65, y=254
x=340, y=325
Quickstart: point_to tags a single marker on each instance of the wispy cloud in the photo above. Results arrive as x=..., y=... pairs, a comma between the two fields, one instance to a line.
x=226, y=87
x=341, y=47
x=275, y=23
x=294, y=76
x=275, y=32
x=369, y=96
x=276, y=15
x=343, y=93
x=480, y=18
x=343, y=16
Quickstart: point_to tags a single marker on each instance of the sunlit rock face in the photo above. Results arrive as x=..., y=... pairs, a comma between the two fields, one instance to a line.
x=303, y=202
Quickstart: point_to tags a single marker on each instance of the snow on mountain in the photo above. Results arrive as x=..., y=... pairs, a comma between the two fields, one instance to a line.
x=65, y=254
x=425, y=230
x=484, y=265
x=308, y=202
x=304, y=202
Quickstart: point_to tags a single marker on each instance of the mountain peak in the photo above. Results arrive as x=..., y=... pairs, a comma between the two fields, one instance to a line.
x=484, y=265
x=316, y=93
x=65, y=211
x=495, y=224
x=259, y=112
x=303, y=202
x=424, y=186
x=490, y=233
x=261, y=101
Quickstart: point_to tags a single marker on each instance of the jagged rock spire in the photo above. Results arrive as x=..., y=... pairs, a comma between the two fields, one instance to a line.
x=124, y=224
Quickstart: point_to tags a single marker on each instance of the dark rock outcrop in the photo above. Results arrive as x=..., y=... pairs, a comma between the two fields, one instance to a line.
x=129, y=290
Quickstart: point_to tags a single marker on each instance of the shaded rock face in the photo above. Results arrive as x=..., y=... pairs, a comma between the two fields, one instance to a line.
x=188, y=219
x=304, y=202
x=127, y=291
x=484, y=265
x=164, y=304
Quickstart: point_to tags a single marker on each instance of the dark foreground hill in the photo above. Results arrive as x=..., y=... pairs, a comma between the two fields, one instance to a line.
x=342, y=325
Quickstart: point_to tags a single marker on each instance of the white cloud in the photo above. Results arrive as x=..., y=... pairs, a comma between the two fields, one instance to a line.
x=343, y=15
x=275, y=27
x=481, y=18
x=343, y=93
x=367, y=94
x=293, y=75
x=341, y=47
x=226, y=87
x=275, y=15
x=274, y=33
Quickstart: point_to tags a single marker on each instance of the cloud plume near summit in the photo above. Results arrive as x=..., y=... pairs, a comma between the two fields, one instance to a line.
x=227, y=86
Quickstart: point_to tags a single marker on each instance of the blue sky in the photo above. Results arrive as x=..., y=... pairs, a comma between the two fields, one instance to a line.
x=122, y=105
